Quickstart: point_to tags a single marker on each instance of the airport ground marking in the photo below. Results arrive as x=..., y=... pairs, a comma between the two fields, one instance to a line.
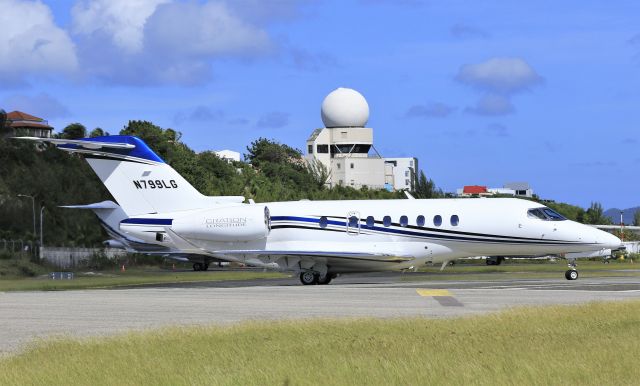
x=442, y=296
x=433, y=292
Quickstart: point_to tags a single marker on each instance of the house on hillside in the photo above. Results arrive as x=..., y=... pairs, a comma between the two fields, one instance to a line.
x=19, y=124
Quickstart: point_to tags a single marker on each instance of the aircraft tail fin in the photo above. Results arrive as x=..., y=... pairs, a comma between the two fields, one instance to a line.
x=139, y=180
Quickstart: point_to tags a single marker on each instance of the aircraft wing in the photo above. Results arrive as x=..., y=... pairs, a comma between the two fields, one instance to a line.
x=367, y=256
x=300, y=259
x=616, y=227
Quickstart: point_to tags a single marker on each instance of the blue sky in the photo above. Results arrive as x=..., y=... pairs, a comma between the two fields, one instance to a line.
x=483, y=92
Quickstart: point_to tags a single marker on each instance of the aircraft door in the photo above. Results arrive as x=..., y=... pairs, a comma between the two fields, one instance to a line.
x=353, y=223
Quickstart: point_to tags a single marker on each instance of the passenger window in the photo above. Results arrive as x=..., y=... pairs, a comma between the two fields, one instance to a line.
x=404, y=221
x=323, y=222
x=353, y=221
x=370, y=221
x=420, y=221
x=455, y=220
x=386, y=221
x=437, y=220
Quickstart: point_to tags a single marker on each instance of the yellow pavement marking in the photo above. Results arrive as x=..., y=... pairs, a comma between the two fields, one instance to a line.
x=433, y=292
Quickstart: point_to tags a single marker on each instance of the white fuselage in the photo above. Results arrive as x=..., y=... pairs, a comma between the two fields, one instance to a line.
x=492, y=227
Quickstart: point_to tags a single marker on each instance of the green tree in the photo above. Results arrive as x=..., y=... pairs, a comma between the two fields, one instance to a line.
x=263, y=150
x=74, y=131
x=425, y=187
x=97, y=132
x=3, y=120
x=160, y=140
x=595, y=215
x=636, y=218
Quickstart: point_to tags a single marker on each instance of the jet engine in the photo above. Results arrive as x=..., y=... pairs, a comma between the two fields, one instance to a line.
x=230, y=224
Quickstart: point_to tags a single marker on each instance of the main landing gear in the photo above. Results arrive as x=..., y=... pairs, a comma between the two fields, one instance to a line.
x=200, y=266
x=572, y=272
x=311, y=278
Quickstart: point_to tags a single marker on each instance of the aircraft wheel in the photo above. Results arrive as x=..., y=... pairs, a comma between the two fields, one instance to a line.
x=205, y=267
x=197, y=267
x=308, y=278
x=325, y=280
x=571, y=274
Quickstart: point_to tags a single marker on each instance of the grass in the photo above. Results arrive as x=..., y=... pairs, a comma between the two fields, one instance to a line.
x=590, y=344
x=131, y=277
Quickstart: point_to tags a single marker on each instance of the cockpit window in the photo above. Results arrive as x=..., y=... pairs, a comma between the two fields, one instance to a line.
x=545, y=214
x=553, y=215
x=536, y=213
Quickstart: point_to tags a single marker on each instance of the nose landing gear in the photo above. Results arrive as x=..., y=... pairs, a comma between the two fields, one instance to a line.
x=572, y=272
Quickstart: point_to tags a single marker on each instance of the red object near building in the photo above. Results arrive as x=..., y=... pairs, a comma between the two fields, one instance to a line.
x=474, y=189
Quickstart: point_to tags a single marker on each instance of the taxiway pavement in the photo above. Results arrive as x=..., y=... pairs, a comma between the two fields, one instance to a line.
x=25, y=316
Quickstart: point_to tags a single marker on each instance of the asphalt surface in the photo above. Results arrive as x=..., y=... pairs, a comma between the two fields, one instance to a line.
x=28, y=316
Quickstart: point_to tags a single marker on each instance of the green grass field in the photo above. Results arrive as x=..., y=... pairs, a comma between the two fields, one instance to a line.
x=131, y=277
x=593, y=344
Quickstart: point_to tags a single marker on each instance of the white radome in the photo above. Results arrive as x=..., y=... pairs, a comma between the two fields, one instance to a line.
x=345, y=107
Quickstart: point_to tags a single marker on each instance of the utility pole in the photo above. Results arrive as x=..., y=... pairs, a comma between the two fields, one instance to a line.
x=41, y=231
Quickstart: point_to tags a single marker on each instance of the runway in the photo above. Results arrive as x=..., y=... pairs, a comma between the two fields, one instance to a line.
x=25, y=316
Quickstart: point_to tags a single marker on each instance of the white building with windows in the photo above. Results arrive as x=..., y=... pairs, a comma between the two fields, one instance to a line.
x=344, y=147
x=403, y=172
x=228, y=155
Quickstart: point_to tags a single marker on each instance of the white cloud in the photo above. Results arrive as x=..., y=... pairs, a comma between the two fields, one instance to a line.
x=492, y=104
x=154, y=42
x=499, y=79
x=201, y=30
x=500, y=75
x=31, y=43
x=121, y=21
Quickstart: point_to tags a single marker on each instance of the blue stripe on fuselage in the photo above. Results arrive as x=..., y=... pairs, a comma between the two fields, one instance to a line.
x=147, y=221
x=402, y=232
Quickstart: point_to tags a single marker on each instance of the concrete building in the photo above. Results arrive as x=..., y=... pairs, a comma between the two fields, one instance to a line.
x=403, y=172
x=19, y=124
x=344, y=147
x=521, y=189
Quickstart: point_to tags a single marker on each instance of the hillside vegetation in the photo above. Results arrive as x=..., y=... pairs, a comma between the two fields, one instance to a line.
x=271, y=172
x=274, y=172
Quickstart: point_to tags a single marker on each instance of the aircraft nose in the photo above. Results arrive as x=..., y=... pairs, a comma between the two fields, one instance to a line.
x=609, y=241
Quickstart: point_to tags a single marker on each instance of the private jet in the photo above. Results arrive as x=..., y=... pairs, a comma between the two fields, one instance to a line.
x=321, y=239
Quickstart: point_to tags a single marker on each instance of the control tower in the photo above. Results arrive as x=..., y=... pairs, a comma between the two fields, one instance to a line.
x=345, y=146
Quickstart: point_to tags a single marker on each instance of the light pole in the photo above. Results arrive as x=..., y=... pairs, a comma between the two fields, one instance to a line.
x=33, y=207
x=41, y=233
x=41, y=226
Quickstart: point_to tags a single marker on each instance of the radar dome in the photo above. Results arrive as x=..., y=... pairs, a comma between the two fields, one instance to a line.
x=345, y=107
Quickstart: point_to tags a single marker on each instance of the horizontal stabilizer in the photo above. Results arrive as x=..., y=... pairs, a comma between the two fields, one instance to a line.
x=97, y=205
x=81, y=143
